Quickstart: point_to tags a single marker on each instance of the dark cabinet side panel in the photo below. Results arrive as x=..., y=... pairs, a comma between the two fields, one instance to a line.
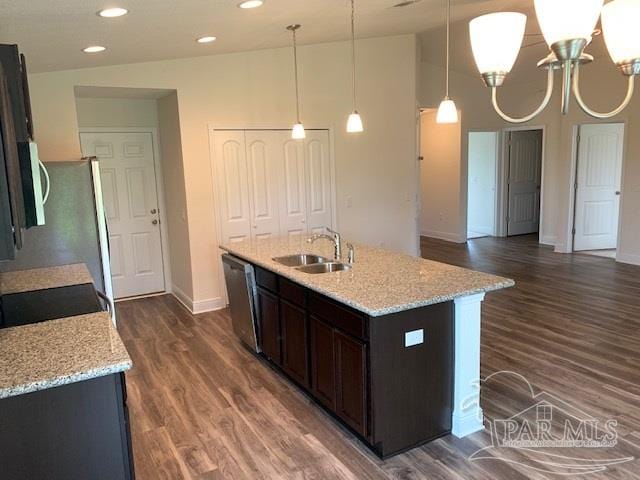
x=351, y=403
x=323, y=380
x=295, y=358
x=269, y=317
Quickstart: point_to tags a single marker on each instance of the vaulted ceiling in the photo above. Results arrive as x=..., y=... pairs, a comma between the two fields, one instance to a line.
x=53, y=33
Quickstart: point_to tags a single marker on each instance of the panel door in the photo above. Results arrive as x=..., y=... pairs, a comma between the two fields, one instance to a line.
x=323, y=372
x=130, y=199
x=295, y=360
x=293, y=190
x=599, y=178
x=269, y=318
x=264, y=171
x=525, y=177
x=318, y=181
x=350, y=361
x=232, y=182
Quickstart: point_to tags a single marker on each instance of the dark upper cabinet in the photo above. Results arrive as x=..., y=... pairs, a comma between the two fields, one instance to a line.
x=269, y=318
x=295, y=355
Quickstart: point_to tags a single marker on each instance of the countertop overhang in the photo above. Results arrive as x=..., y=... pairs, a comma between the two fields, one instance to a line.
x=380, y=281
x=59, y=352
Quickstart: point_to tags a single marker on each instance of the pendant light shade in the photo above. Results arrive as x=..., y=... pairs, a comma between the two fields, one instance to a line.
x=447, y=112
x=496, y=39
x=563, y=20
x=297, y=132
x=354, y=122
x=621, y=32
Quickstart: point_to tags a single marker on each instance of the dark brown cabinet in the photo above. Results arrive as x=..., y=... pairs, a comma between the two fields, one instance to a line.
x=393, y=393
x=351, y=395
x=295, y=353
x=269, y=315
x=323, y=365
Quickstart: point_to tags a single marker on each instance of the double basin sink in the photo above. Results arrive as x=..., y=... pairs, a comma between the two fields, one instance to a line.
x=313, y=264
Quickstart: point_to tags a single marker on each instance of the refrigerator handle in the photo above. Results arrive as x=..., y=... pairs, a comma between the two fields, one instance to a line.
x=47, y=180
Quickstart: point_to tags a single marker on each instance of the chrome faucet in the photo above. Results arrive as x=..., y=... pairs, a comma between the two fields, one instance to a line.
x=334, y=237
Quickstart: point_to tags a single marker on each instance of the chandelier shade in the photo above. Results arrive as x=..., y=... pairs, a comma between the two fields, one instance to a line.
x=447, y=113
x=621, y=32
x=496, y=39
x=564, y=20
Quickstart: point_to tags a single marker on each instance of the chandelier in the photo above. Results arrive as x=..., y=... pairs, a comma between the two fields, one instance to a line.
x=567, y=26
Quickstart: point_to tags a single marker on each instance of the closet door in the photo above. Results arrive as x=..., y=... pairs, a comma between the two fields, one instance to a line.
x=264, y=169
x=293, y=191
x=318, y=181
x=230, y=170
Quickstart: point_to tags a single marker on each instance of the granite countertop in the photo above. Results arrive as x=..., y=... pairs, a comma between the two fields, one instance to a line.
x=381, y=282
x=58, y=352
x=22, y=281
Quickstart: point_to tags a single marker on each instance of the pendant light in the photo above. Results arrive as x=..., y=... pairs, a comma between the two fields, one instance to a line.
x=447, y=113
x=297, y=132
x=354, y=123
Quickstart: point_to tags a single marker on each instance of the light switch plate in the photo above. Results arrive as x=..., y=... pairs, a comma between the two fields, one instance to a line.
x=416, y=337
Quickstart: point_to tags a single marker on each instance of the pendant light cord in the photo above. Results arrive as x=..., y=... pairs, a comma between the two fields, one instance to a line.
x=295, y=66
x=353, y=50
x=448, y=47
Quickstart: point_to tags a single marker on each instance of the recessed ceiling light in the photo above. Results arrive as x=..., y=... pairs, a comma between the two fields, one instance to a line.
x=251, y=4
x=94, y=49
x=206, y=39
x=113, y=12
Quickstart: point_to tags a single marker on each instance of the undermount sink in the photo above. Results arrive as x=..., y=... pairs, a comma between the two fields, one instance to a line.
x=326, y=267
x=300, y=260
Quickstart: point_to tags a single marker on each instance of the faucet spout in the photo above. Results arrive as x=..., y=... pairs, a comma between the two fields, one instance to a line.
x=334, y=237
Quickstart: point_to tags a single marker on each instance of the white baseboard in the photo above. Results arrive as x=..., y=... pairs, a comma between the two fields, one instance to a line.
x=448, y=236
x=628, y=258
x=549, y=240
x=199, y=306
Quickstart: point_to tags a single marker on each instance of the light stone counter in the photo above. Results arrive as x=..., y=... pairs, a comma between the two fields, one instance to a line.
x=381, y=282
x=59, y=352
x=22, y=281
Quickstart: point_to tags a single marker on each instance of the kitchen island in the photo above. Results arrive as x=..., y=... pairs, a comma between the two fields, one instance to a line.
x=390, y=346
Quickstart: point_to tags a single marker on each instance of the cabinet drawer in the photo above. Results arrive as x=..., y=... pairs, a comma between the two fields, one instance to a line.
x=345, y=319
x=266, y=279
x=292, y=291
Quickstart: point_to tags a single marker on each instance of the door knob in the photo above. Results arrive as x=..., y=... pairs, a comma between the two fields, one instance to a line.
x=618, y=192
x=153, y=211
x=154, y=222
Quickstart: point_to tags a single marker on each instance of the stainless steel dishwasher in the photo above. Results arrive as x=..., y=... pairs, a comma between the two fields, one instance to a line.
x=241, y=289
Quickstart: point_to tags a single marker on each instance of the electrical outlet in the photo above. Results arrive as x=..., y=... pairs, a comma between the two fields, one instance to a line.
x=349, y=201
x=416, y=337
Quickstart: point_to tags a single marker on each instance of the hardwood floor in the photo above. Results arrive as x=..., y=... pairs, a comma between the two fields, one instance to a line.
x=203, y=407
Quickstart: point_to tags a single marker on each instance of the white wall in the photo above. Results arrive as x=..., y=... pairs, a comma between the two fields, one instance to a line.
x=376, y=171
x=440, y=179
x=116, y=112
x=483, y=156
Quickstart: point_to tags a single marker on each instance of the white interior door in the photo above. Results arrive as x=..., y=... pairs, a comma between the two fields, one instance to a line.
x=524, y=181
x=318, y=167
x=293, y=200
x=264, y=171
x=130, y=195
x=231, y=172
x=481, y=211
x=598, y=182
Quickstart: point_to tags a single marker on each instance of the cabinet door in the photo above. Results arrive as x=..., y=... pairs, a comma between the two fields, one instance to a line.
x=350, y=358
x=294, y=342
x=269, y=316
x=323, y=371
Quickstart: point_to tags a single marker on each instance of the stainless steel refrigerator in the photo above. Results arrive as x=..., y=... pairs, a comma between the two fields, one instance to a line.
x=75, y=229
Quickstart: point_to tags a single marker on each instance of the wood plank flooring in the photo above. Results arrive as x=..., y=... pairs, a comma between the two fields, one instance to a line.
x=203, y=407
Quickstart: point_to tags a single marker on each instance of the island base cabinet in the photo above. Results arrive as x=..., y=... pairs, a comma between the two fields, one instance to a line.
x=323, y=364
x=269, y=325
x=351, y=395
x=295, y=358
x=78, y=431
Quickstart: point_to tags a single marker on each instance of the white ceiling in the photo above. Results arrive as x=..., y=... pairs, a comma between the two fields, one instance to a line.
x=52, y=33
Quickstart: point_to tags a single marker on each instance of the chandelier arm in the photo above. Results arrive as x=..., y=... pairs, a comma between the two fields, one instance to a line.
x=545, y=102
x=603, y=116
